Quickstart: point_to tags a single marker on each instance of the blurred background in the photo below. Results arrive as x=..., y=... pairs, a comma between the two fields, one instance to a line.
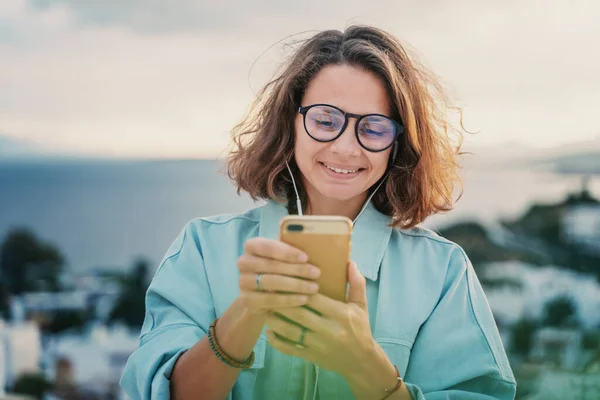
x=114, y=124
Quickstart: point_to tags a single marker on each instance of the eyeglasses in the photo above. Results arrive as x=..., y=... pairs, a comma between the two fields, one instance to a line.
x=374, y=132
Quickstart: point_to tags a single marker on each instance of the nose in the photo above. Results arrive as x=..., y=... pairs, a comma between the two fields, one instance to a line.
x=347, y=145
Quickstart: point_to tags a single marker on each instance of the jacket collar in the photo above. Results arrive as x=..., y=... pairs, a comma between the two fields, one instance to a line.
x=370, y=235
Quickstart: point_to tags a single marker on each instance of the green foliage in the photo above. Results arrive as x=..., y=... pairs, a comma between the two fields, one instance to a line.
x=523, y=336
x=32, y=384
x=130, y=308
x=64, y=320
x=584, y=196
x=473, y=238
x=591, y=340
x=541, y=223
x=560, y=312
x=4, y=301
x=26, y=262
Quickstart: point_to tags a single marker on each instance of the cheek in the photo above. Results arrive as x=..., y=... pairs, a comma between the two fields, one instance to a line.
x=379, y=162
x=305, y=148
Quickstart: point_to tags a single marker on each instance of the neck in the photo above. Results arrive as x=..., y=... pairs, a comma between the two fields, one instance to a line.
x=320, y=205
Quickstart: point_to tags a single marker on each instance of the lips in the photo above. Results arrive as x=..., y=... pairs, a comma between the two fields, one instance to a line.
x=343, y=170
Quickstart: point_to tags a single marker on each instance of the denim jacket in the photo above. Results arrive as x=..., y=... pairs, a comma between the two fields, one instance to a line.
x=427, y=311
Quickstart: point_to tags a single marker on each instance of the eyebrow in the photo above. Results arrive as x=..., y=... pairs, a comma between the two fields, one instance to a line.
x=338, y=108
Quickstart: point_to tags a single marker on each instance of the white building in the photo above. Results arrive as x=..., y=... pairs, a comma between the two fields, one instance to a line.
x=54, y=301
x=97, y=356
x=22, y=350
x=538, y=286
x=581, y=226
x=558, y=346
x=95, y=299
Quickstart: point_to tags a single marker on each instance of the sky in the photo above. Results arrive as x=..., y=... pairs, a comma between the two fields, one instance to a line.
x=158, y=78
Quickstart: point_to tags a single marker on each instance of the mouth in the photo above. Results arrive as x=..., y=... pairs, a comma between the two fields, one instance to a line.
x=342, y=170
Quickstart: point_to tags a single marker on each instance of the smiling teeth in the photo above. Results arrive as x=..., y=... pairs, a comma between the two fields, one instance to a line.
x=341, y=171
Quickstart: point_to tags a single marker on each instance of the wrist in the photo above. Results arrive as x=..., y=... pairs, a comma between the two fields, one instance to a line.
x=238, y=330
x=374, y=376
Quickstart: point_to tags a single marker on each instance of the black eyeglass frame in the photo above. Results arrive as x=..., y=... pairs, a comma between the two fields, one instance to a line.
x=399, y=127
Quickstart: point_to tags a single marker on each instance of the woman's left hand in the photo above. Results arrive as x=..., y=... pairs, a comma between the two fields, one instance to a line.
x=338, y=340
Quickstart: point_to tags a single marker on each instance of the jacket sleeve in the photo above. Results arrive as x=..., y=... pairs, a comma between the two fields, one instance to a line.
x=458, y=352
x=179, y=310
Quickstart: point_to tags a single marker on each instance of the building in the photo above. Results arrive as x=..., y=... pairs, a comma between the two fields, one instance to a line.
x=22, y=350
x=581, y=227
x=96, y=358
x=560, y=385
x=558, y=347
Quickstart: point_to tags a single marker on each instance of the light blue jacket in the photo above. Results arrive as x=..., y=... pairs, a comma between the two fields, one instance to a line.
x=426, y=306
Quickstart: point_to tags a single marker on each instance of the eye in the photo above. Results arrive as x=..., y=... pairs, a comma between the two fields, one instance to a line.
x=326, y=121
x=378, y=128
x=374, y=132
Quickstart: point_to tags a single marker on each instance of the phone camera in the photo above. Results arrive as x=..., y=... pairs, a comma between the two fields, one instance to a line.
x=295, y=228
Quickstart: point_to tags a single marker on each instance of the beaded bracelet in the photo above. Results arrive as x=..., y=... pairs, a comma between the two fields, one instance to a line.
x=398, y=385
x=221, y=355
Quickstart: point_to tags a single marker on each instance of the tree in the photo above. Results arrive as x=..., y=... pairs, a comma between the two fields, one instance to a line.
x=560, y=312
x=4, y=301
x=65, y=320
x=25, y=260
x=139, y=274
x=32, y=384
x=522, y=336
x=130, y=307
x=591, y=340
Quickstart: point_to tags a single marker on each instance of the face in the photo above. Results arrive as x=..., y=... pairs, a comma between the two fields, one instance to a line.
x=341, y=170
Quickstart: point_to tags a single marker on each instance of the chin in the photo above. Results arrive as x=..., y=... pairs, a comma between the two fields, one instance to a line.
x=335, y=192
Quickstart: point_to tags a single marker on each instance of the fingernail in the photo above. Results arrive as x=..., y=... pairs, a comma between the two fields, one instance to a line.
x=302, y=257
x=313, y=287
x=314, y=272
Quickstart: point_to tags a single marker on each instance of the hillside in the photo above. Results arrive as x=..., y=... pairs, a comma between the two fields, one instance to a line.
x=546, y=234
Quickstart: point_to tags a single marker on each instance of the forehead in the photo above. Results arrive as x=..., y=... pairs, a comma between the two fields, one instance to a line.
x=352, y=89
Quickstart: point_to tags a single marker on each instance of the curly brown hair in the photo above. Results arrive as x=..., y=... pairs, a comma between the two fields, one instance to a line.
x=422, y=178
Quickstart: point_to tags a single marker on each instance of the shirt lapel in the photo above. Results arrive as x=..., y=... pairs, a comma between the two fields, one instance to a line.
x=370, y=238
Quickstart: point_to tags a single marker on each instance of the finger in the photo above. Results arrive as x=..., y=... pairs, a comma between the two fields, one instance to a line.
x=256, y=264
x=287, y=329
x=278, y=283
x=327, y=306
x=306, y=318
x=357, y=292
x=266, y=300
x=288, y=348
x=274, y=249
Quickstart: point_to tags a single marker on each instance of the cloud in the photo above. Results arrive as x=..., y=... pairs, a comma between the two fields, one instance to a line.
x=141, y=78
x=148, y=16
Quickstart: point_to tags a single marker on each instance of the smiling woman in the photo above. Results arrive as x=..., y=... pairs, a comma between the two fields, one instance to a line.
x=372, y=87
x=352, y=127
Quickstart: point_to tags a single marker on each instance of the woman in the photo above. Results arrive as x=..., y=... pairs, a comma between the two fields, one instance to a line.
x=351, y=127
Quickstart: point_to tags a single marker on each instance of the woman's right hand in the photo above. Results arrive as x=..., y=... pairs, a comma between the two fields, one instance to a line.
x=287, y=279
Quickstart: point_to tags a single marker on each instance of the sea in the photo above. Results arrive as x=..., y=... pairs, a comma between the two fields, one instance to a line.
x=106, y=214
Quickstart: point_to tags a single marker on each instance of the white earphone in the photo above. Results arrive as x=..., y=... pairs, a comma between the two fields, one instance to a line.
x=299, y=203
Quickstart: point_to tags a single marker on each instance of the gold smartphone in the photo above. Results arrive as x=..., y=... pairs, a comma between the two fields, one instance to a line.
x=326, y=241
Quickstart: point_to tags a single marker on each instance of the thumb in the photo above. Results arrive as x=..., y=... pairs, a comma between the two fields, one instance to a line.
x=358, y=286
